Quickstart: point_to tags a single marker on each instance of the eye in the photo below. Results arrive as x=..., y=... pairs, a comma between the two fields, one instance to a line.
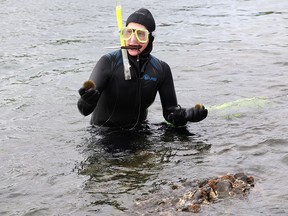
x=141, y=34
x=128, y=32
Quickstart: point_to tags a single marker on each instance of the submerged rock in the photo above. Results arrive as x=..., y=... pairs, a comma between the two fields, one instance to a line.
x=178, y=198
x=214, y=189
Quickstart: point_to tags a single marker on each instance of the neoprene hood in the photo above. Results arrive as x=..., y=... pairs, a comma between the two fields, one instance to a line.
x=144, y=17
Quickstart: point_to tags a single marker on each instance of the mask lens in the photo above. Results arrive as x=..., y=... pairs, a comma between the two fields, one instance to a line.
x=142, y=35
x=127, y=33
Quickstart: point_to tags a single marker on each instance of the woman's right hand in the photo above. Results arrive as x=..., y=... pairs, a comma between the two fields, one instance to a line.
x=90, y=96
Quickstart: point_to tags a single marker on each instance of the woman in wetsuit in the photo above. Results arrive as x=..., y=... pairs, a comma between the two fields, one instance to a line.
x=117, y=102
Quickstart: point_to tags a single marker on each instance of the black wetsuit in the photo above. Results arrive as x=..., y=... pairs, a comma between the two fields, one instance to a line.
x=124, y=103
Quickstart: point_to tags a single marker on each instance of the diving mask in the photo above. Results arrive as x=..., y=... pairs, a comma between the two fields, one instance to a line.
x=142, y=35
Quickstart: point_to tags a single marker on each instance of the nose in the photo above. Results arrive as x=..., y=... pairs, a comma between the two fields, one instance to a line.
x=134, y=39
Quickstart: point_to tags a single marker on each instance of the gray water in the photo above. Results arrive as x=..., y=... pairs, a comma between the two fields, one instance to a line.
x=53, y=163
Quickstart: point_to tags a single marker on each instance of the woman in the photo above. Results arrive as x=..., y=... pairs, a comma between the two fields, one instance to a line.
x=116, y=102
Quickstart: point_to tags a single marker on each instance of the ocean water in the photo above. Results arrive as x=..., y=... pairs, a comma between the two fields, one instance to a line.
x=231, y=56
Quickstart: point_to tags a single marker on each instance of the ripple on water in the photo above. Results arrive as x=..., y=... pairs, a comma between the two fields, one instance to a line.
x=284, y=159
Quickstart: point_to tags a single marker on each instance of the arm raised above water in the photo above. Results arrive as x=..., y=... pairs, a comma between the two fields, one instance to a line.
x=172, y=112
x=89, y=93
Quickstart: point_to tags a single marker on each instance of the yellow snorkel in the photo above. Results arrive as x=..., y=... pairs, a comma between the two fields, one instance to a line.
x=127, y=73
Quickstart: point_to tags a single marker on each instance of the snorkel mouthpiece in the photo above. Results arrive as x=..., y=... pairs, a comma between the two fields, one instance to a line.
x=135, y=47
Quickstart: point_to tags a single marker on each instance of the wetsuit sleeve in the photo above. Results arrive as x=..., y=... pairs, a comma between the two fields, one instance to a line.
x=100, y=76
x=167, y=92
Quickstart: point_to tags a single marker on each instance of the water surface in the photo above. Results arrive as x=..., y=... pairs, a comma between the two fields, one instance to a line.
x=54, y=163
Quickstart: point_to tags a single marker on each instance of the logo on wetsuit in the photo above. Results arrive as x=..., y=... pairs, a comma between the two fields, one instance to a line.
x=147, y=77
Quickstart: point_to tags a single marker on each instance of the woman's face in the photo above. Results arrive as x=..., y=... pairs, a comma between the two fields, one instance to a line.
x=134, y=42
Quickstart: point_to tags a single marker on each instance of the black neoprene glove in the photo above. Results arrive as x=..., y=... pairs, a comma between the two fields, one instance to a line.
x=178, y=117
x=196, y=114
x=89, y=98
x=181, y=116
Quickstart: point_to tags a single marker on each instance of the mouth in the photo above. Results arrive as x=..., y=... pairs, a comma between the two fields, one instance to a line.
x=132, y=47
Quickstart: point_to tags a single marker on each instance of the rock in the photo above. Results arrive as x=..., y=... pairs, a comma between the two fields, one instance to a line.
x=213, y=189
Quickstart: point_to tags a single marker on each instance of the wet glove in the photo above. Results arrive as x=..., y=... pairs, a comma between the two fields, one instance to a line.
x=181, y=116
x=197, y=113
x=178, y=117
x=89, y=98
